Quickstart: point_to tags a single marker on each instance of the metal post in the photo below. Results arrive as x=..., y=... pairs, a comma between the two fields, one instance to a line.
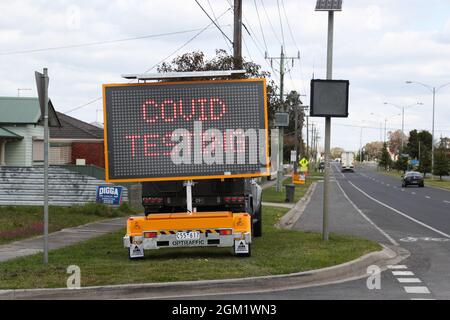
x=360, y=146
x=296, y=139
x=281, y=129
x=403, y=127
x=46, y=134
x=188, y=184
x=432, y=135
x=237, y=35
x=326, y=184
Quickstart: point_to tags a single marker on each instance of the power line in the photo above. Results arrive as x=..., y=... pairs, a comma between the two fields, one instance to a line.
x=270, y=23
x=295, y=43
x=281, y=22
x=148, y=70
x=91, y=44
x=223, y=33
x=260, y=26
x=230, y=48
x=186, y=43
x=289, y=25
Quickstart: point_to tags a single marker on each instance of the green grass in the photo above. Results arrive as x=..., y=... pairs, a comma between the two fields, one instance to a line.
x=20, y=222
x=103, y=260
x=271, y=194
x=445, y=184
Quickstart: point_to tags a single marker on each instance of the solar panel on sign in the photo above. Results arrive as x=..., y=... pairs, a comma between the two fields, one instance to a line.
x=329, y=5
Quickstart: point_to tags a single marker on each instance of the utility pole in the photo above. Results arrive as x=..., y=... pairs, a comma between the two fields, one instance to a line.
x=307, y=136
x=237, y=35
x=282, y=59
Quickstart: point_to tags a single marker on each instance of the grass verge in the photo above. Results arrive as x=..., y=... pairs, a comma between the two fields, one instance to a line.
x=271, y=194
x=20, y=222
x=103, y=261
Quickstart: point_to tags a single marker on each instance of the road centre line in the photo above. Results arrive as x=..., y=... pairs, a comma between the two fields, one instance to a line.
x=401, y=213
x=395, y=243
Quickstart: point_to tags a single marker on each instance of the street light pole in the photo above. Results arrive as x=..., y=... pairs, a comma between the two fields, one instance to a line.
x=433, y=90
x=403, y=117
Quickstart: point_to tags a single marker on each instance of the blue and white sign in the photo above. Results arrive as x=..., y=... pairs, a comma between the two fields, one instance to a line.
x=109, y=195
x=414, y=162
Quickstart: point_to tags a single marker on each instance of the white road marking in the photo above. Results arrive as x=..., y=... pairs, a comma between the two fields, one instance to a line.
x=403, y=189
x=398, y=266
x=402, y=273
x=428, y=197
x=421, y=299
x=409, y=280
x=395, y=243
x=417, y=290
x=446, y=201
x=413, y=193
x=401, y=213
x=388, y=185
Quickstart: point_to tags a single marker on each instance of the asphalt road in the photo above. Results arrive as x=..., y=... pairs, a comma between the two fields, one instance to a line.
x=375, y=206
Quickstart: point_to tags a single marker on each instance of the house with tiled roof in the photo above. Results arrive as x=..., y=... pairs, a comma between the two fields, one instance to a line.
x=76, y=142
x=22, y=131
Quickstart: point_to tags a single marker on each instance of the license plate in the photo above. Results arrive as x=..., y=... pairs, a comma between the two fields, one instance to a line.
x=415, y=182
x=193, y=235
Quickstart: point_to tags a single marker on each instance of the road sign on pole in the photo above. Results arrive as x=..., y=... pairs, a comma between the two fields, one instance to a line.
x=42, y=81
x=329, y=6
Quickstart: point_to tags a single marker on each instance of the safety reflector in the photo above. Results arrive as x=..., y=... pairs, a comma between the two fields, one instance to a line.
x=150, y=235
x=225, y=232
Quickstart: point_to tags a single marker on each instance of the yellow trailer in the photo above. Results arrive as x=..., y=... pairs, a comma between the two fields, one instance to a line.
x=198, y=229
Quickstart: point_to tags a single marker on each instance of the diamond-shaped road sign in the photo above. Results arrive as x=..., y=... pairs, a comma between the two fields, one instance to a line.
x=304, y=162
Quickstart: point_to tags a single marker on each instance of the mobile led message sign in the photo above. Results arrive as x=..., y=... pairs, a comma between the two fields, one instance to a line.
x=185, y=130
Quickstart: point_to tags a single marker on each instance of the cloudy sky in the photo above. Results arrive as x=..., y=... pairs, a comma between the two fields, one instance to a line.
x=378, y=46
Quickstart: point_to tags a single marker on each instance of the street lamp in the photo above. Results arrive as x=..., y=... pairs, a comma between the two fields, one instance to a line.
x=433, y=90
x=403, y=115
x=385, y=122
x=329, y=6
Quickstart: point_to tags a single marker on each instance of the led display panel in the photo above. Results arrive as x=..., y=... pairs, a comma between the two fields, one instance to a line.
x=329, y=98
x=185, y=130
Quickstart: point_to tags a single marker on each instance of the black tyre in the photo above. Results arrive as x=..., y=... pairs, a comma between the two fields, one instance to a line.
x=421, y=185
x=257, y=223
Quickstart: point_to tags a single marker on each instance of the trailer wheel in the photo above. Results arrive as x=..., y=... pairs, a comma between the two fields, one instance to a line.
x=257, y=224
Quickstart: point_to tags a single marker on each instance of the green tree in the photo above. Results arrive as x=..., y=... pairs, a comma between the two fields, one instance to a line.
x=385, y=158
x=401, y=164
x=196, y=61
x=441, y=162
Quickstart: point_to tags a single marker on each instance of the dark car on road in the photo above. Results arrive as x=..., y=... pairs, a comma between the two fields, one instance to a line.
x=412, y=179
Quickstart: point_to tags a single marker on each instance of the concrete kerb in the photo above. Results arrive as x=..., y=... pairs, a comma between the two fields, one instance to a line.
x=352, y=270
x=292, y=216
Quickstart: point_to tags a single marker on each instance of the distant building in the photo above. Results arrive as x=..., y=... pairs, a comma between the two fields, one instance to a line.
x=76, y=142
x=72, y=141
x=22, y=131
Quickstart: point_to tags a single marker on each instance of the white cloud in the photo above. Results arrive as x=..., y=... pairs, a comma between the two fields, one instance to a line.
x=378, y=45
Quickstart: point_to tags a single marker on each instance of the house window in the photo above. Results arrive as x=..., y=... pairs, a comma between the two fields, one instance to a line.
x=38, y=151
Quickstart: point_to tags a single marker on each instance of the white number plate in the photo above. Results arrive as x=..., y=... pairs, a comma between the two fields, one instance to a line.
x=193, y=235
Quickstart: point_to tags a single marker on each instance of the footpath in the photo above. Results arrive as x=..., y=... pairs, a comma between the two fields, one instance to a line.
x=60, y=239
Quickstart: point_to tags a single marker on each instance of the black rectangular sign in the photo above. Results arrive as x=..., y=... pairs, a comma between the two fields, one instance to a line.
x=185, y=130
x=329, y=98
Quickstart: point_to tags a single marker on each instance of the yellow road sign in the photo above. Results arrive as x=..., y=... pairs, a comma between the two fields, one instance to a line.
x=304, y=162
